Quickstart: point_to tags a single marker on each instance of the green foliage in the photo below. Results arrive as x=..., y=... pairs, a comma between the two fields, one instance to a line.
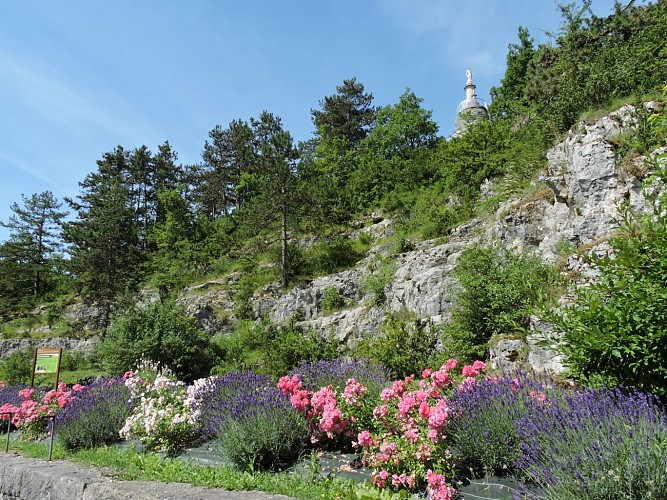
x=163, y=333
x=273, y=350
x=330, y=256
x=615, y=331
x=332, y=300
x=499, y=291
x=374, y=284
x=405, y=345
x=267, y=438
x=17, y=368
x=74, y=360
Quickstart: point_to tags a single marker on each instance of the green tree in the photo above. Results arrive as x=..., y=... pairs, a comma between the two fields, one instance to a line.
x=509, y=100
x=34, y=238
x=348, y=114
x=273, y=187
x=229, y=154
x=104, y=238
x=394, y=154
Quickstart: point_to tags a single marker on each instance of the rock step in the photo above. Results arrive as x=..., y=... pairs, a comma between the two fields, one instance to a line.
x=34, y=479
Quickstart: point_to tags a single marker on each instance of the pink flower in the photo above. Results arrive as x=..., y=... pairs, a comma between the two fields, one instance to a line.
x=451, y=364
x=300, y=401
x=325, y=396
x=288, y=385
x=379, y=479
x=353, y=392
x=437, y=487
x=380, y=412
x=77, y=387
x=387, y=394
x=427, y=373
x=441, y=379
x=405, y=405
x=26, y=393
x=424, y=409
x=128, y=374
x=365, y=439
x=411, y=435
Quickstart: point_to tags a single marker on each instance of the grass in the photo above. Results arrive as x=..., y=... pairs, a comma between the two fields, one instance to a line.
x=129, y=465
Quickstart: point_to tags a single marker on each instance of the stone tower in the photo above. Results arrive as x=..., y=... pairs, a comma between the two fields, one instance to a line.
x=471, y=108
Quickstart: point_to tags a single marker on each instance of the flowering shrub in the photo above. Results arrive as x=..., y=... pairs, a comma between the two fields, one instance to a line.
x=253, y=422
x=215, y=399
x=595, y=443
x=162, y=420
x=489, y=413
x=403, y=441
x=32, y=414
x=95, y=415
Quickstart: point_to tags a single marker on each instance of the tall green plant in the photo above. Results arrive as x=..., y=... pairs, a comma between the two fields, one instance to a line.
x=616, y=330
x=162, y=332
x=499, y=291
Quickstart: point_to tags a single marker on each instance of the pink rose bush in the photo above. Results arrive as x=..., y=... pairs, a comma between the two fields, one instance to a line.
x=32, y=415
x=401, y=436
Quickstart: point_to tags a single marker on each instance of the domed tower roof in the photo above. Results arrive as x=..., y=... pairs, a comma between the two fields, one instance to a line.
x=471, y=109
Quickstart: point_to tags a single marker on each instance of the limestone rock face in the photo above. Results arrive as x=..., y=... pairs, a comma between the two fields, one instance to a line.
x=574, y=203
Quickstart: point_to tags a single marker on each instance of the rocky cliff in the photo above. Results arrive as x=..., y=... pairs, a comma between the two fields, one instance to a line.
x=572, y=205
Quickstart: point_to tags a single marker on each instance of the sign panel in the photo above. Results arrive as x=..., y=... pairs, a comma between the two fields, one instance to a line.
x=46, y=362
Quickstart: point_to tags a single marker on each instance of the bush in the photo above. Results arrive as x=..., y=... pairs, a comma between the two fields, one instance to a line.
x=165, y=334
x=500, y=290
x=95, y=416
x=403, y=345
x=595, y=444
x=215, y=398
x=483, y=424
x=17, y=368
x=273, y=349
x=264, y=432
x=252, y=421
x=332, y=300
x=615, y=330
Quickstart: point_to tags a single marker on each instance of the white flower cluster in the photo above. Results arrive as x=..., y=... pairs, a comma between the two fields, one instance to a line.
x=163, y=419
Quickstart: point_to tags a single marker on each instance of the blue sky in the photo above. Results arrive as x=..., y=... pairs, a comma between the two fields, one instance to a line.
x=79, y=77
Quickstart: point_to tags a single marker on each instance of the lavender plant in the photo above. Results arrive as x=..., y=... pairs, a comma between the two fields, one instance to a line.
x=95, y=416
x=482, y=427
x=595, y=444
x=253, y=423
x=262, y=431
x=215, y=399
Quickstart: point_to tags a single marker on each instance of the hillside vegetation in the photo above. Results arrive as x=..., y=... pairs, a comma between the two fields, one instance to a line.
x=273, y=211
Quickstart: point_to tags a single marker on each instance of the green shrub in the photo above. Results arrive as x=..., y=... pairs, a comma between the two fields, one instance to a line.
x=332, y=300
x=161, y=332
x=499, y=291
x=263, y=432
x=404, y=345
x=273, y=350
x=17, y=368
x=616, y=329
x=374, y=284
